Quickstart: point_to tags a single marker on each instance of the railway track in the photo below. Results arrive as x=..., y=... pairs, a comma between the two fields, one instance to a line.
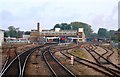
x=88, y=63
x=116, y=70
x=91, y=64
x=100, y=68
x=55, y=66
x=20, y=61
x=107, y=54
x=16, y=67
x=9, y=58
x=103, y=69
x=91, y=50
x=110, y=54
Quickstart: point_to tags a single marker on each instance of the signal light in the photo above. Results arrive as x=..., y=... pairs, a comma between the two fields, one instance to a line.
x=63, y=38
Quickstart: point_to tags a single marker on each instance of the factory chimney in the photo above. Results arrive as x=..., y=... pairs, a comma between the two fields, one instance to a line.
x=39, y=27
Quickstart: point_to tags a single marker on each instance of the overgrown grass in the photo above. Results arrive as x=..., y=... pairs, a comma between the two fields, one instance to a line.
x=79, y=53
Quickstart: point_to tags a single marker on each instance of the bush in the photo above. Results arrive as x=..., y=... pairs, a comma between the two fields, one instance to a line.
x=118, y=45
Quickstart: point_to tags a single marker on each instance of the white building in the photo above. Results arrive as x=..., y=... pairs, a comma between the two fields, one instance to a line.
x=1, y=37
x=17, y=40
x=26, y=36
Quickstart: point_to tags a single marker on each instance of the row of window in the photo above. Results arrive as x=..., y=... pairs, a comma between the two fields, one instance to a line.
x=59, y=33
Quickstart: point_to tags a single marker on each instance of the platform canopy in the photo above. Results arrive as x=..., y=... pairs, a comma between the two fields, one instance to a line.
x=74, y=38
x=52, y=37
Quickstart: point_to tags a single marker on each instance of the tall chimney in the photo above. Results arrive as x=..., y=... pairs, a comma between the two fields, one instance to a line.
x=38, y=27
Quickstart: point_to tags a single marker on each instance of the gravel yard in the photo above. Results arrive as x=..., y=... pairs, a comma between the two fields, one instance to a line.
x=36, y=65
x=77, y=68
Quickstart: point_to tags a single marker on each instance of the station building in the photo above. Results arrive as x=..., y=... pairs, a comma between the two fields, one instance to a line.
x=57, y=35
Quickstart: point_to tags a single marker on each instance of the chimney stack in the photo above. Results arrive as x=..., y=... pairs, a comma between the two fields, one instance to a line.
x=38, y=27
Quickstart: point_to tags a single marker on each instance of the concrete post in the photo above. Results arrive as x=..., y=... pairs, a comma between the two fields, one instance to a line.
x=71, y=60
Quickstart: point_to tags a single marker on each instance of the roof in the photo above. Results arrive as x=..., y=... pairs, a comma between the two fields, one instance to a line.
x=1, y=30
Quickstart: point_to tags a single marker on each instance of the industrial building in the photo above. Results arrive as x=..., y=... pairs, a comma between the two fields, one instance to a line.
x=57, y=35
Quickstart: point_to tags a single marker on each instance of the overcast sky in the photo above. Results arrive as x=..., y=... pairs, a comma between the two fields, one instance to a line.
x=26, y=13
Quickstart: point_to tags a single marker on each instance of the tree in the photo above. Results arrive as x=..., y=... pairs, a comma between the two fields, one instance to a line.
x=117, y=37
x=6, y=33
x=118, y=34
x=74, y=26
x=112, y=35
x=11, y=28
x=12, y=32
x=93, y=36
x=27, y=33
x=57, y=26
x=87, y=28
x=102, y=33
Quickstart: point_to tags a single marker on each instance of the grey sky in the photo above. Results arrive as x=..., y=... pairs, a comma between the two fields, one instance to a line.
x=26, y=13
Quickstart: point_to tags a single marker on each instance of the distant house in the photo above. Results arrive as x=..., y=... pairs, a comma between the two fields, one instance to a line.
x=16, y=40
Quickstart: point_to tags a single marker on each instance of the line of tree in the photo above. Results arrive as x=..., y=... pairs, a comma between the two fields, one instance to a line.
x=12, y=32
x=110, y=35
x=102, y=32
x=15, y=32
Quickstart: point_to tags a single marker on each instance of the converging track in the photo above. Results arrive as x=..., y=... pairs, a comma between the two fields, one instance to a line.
x=9, y=58
x=93, y=51
x=108, y=53
x=55, y=66
x=16, y=67
x=96, y=66
x=115, y=71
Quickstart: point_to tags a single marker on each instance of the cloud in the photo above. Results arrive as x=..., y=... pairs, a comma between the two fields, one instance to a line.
x=49, y=12
x=7, y=16
x=108, y=21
